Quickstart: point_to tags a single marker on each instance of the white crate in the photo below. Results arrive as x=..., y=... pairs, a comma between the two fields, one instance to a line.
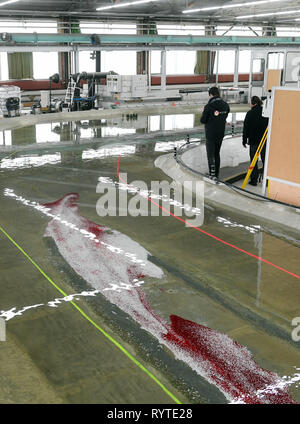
x=45, y=99
x=113, y=83
x=138, y=93
x=126, y=84
x=139, y=80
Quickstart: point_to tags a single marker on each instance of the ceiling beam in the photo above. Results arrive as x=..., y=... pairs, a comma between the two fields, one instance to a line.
x=150, y=40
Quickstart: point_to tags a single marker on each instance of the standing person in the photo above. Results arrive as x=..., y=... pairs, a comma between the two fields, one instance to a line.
x=214, y=117
x=255, y=126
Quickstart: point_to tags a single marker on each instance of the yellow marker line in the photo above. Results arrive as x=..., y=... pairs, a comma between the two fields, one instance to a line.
x=117, y=344
x=256, y=157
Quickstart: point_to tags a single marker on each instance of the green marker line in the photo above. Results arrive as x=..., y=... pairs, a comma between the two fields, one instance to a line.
x=117, y=344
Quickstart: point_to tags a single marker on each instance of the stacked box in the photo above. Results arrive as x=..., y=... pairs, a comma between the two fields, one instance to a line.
x=113, y=83
x=139, y=85
x=139, y=80
x=126, y=85
x=7, y=91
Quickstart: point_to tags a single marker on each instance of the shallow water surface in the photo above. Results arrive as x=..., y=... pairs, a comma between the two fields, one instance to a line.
x=212, y=324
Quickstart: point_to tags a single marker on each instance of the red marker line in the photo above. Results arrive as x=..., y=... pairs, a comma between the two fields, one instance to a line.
x=211, y=235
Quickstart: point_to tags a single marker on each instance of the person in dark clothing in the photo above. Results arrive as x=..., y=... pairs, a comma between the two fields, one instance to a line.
x=214, y=117
x=255, y=126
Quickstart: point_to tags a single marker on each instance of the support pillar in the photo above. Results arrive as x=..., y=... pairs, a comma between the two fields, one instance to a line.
x=64, y=59
x=236, y=68
x=205, y=60
x=98, y=61
x=163, y=70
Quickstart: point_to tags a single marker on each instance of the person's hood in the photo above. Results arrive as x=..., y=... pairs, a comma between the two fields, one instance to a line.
x=216, y=103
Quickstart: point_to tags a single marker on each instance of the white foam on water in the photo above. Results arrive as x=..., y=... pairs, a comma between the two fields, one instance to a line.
x=150, y=194
x=30, y=161
x=47, y=211
x=282, y=383
x=99, y=262
x=13, y=312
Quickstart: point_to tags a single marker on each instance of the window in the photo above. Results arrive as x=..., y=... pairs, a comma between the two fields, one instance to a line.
x=226, y=62
x=180, y=62
x=245, y=62
x=155, y=61
x=180, y=29
x=238, y=31
x=45, y=64
x=288, y=32
x=28, y=26
x=86, y=63
x=275, y=60
x=104, y=28
x=121, y=62
x=3, y=67
x=292, y=71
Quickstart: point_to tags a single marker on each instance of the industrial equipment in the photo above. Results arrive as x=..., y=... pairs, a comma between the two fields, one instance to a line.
x=86, y=97
x=10, y=101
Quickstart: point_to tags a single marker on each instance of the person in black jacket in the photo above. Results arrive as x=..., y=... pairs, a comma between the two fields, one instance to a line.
x=214, y=117
x=255, y=126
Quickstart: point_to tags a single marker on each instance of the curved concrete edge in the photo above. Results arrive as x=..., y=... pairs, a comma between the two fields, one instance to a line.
x=224, y=195
x=233, y=154
x=142, y=109
x=26, y=120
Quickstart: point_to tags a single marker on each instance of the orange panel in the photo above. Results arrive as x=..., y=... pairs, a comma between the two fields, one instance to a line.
x=284, y=150
x=284, y=193
x=273, y=78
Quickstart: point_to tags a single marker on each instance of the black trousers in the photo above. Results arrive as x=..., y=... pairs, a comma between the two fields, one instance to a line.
x=213, y=148
x=253, y=150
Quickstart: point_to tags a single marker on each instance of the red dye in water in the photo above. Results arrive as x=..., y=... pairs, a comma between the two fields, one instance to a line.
x=229, y=364
x=211, y=354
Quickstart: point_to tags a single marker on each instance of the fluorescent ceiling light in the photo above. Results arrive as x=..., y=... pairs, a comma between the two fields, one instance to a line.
x=262, y=15
x=8, y=2
x=231, y=6
x=128, y=3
